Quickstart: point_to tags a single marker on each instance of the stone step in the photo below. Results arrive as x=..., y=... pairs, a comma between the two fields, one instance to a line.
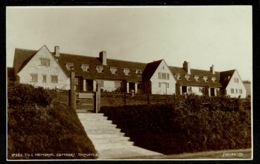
x=99, y=126
x=101, y=121
x=111, y=140
x=113, y=145
x=97, y=136
x=102, y=131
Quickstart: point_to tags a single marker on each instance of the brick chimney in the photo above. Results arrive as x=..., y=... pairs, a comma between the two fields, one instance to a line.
x=57, y=51
x=103, y=57
x=212, y=69
x=186, y=67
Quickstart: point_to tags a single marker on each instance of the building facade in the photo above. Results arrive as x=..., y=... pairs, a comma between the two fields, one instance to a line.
x=52, y=70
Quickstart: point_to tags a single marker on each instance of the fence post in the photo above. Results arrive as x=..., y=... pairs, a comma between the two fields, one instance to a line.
x=72, y=96
x=124, y=99
x=97, y=98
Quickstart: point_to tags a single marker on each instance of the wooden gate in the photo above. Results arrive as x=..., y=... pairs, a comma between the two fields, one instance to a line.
x=85, y=101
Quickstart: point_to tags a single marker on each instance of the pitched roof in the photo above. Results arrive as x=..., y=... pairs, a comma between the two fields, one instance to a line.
x=21, y=58
x=150, y=69
x=92, y=62
x=192, y=81
x=225, y=77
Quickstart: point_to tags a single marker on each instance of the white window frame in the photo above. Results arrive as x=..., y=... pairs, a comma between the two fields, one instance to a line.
x=100, y=68
x=126, y=71
x=85, y=67
x=69, y=65
x=113, y=70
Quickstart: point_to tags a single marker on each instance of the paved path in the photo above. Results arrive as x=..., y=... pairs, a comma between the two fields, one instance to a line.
x=108, y=140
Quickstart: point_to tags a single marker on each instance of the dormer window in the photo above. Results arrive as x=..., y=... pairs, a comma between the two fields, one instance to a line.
x=178, y=76
x=205, y=78
x=196, y=77
x=85, y=67
x=99, y=68
x=213, y=79
x=113, y=70
x=126, y=71
x=187, y=77
x=138, y=72
x=69, y=65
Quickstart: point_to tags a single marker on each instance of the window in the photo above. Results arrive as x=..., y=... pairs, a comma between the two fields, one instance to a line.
x=236, y=80
x=178, y=76
x=34, y=77
x=240, y=91
x=85, y=67
x=236, y=90
x=167, y=85
x=187, y=77
x=44, y=78
x=69, y=65
x=159, y=85
x=163, y=75
x=99, y=68
x=126, y=71
x=54, y=79
x=213, y=79
x=138, y=72
x=205, y=78
x=232, y=90
x=113, y=70
x=45, y=62
x=159, y=75
x=196, y=77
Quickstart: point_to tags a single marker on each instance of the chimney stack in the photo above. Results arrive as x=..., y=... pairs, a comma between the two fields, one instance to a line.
x=103, y=57
x=57, y=51
x=186, y=67
x=212, y=69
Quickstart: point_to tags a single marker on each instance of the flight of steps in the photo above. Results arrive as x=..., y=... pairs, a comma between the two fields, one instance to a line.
x=109, y=142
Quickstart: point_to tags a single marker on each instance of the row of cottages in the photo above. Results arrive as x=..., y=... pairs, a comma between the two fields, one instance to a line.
x=52, y=70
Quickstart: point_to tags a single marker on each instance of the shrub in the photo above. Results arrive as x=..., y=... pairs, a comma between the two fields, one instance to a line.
x=39, y=123
x=24, y=93
x=187, y=126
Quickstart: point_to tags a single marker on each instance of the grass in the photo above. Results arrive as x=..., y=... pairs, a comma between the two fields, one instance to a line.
x=44, y=131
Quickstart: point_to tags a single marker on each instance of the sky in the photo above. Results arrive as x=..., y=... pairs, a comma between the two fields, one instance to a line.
x=202, y=35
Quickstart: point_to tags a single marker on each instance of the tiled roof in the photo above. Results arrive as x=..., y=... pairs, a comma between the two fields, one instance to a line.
x=191, y=81
x=23, y=56
x=92, y=62
x=224, y=77
x=150, y=69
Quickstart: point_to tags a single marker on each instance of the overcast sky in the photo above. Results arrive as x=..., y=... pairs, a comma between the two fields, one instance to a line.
x=201, y=35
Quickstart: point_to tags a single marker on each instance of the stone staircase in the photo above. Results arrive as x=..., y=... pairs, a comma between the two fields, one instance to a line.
x=108, y=140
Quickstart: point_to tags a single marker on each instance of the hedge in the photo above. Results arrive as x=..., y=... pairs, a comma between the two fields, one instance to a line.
x=186, y=126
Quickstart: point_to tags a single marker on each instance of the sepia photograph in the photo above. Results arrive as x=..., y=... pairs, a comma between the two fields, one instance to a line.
x=129, y=83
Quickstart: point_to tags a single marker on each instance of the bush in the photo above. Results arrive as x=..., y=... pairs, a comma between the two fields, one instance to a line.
x=187, y=126
x=19, y=94
x=39, y=124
